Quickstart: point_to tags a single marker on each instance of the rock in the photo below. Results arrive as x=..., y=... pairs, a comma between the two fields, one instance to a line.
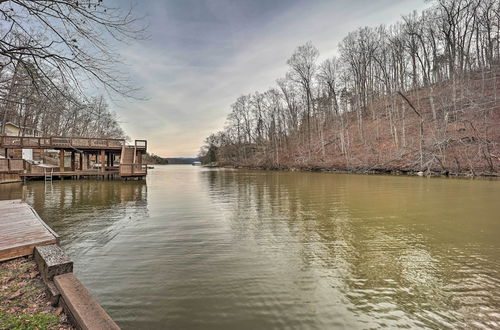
x=52, y=261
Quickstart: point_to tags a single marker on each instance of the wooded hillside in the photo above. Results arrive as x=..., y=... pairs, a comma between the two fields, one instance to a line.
x=419, y=95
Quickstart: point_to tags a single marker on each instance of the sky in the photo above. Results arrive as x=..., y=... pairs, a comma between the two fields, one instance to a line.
x=201, y=55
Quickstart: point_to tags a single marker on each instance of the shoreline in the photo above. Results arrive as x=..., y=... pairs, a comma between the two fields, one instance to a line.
x=370, y=171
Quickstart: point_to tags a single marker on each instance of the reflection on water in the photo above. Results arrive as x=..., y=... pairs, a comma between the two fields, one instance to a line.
x=88, y=211
x=216, y=248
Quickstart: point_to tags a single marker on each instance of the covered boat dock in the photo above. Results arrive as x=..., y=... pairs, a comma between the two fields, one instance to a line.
x=73, y=157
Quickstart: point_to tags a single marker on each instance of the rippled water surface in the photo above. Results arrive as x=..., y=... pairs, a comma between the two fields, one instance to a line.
x=193, y=248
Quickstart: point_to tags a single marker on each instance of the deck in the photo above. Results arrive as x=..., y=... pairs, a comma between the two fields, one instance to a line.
x=21, y=229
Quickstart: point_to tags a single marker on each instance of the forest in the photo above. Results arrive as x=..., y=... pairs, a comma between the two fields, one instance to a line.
x=417, y=95
x=58, y=66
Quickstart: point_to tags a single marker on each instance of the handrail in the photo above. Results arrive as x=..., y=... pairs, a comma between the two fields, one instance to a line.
x=12, y=165
x=61, y=141
x=134, y=168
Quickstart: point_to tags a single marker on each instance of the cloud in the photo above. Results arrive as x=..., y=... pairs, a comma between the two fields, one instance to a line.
x=204, y=54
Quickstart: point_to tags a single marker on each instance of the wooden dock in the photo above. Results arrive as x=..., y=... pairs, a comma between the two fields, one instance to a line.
x=21, y=229
x=70, y=157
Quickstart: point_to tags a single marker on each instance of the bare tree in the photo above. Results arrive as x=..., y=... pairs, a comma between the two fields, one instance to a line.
x=368, y=108
x=68, y=39
x=63, y=46
x=303, y=65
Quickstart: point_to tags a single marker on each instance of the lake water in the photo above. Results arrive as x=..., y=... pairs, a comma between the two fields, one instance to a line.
x=196, y=248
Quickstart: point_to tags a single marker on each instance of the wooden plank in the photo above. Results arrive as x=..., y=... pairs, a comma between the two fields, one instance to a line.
x=21, y=251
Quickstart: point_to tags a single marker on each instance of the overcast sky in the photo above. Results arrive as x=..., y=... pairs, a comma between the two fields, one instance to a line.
x=203, y=54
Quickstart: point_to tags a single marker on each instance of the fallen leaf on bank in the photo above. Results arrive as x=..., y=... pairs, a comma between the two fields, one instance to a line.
x=16, y=294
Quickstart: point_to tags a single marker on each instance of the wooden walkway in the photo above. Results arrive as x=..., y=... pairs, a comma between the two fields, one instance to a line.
x=21, y=229
x=71, y=173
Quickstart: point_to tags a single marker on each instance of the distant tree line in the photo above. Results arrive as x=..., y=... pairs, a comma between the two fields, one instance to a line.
x=154, y=159
x=51, y=53
x=392, y=92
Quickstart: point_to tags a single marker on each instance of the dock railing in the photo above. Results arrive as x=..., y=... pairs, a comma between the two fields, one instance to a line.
x=133, y=169
x=141, y=144
x=13, y=165
x=65, y=142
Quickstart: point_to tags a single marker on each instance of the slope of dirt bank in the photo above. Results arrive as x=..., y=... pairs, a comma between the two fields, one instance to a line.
x=450, y=128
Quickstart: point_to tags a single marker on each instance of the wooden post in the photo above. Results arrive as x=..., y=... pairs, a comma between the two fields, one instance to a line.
x=84, y=161
x=80, y=161
x=103, y=160
x=61, y=160
x=73, y=159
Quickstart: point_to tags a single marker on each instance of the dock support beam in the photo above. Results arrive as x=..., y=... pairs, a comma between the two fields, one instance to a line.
x=80, y=161
x=73, y=160
x=103, y=160
x=84, y=161
x=61, y=160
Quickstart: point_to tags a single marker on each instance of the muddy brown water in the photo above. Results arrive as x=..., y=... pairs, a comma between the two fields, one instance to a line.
x=196, y=248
